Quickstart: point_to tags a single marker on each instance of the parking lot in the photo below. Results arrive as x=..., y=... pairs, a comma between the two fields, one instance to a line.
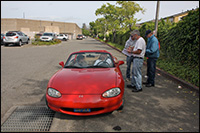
x=26, y=70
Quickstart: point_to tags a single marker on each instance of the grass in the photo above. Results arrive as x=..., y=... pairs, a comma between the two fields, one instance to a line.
x=37, y=42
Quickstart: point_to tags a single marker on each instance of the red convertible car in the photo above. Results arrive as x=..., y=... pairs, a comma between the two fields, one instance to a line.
x=89, y=83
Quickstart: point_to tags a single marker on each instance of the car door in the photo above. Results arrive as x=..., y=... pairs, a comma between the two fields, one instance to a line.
x=21, y=36
x=24, y=37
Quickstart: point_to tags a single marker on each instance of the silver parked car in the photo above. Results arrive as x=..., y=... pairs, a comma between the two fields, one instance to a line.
x=62, y=37
x=15, y=37
x=48, y=37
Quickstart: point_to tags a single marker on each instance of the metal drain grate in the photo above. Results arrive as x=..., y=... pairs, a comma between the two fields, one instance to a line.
x=36, y=118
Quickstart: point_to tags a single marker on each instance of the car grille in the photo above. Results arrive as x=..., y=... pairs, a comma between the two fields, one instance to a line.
x=45, y=38
x=72, y=109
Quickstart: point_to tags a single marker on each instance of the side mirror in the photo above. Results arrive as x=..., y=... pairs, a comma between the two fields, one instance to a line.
x=120, y=63
x=61, y=63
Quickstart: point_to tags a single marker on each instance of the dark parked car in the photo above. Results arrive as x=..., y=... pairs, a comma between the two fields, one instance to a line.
x=79, y=37
x=2, y=35
x=15, y=37
x=37, y=36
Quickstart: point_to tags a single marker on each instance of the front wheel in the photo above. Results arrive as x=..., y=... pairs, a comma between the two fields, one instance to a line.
x=27, y=41
x=122, y=106
x=48, y=105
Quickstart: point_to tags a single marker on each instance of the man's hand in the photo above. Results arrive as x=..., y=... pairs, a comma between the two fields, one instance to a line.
x=130, y=49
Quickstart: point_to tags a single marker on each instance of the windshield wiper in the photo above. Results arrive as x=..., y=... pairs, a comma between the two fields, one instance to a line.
x=72, y=67
x=97, y=67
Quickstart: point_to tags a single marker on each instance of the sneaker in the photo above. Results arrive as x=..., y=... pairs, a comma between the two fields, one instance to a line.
x=137, y=90
x=130, y=86
x=149, y=85
x=145, y=83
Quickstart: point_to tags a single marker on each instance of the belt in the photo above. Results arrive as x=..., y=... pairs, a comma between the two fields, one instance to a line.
x=137, y=57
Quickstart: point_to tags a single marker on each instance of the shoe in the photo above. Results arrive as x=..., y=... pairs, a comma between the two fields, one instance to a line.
x=145, y=83
x=149, y=85
x=137, y=90
x=130, y=86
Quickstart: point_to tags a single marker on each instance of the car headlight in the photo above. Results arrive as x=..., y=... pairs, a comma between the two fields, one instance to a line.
x=112, y=92
x=53, y=93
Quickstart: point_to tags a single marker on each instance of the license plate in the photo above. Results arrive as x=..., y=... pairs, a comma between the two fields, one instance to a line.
x=82, y=110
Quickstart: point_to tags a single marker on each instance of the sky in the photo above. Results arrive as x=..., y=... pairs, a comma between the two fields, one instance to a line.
x=80, y=12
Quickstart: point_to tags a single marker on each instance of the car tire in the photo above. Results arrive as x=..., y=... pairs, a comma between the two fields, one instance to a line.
x=20, y=43
x=27, y=41
x=65, y=39
x=47, y=105
x=122, y=106
x=108, y=113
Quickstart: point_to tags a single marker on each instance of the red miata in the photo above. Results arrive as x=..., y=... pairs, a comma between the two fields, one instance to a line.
x=89, y=83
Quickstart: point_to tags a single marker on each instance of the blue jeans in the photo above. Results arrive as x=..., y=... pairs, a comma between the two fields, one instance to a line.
x=128, y=62
x=137, y=73
x=151, y=70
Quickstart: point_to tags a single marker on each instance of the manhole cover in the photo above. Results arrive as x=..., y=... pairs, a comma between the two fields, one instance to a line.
x=35, y=118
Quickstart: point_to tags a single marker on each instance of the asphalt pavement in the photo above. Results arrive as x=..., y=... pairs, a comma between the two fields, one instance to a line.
x=167, y=107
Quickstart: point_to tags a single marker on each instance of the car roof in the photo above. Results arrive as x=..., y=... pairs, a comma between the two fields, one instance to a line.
x=13, y=31
x=87, y=51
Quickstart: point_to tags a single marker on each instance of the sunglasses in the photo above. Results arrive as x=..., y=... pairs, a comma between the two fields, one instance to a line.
x=131, y=36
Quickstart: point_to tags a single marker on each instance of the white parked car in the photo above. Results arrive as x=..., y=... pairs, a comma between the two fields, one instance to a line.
x=84, y=37
x=63, y=37
x=48, y=37
x=15, y=37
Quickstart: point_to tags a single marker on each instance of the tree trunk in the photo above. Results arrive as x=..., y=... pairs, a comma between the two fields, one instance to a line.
x=130, y=27
x=114, y=36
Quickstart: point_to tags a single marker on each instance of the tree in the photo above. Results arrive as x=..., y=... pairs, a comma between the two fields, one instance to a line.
x=110, y=14
x=84, y=26
x=127, y=10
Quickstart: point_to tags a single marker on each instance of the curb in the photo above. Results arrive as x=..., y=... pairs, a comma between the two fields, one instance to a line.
x=167, y=75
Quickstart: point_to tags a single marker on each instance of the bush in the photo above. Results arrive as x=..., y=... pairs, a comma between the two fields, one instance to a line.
x=55, y=41
x=180, y=48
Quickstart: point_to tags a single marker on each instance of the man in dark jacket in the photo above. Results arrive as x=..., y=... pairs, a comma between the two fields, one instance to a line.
x=152, y=52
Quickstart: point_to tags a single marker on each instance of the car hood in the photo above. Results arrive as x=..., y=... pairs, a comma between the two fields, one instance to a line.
x=84, y=81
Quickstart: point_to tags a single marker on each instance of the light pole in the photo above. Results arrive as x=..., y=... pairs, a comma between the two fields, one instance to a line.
x=156, y=21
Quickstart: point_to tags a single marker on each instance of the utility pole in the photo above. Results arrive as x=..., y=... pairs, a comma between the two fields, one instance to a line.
x=156, y=20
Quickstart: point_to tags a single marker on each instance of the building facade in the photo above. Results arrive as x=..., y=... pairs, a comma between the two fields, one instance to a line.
x=32, y=27
x=173, y=18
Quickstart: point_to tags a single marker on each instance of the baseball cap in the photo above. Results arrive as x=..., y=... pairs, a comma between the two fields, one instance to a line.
x=147, y=32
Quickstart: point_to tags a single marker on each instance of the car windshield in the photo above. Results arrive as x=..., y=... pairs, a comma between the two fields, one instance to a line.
x=90, y=60
x=47, y=34
x=79, y=35
x=10, y=34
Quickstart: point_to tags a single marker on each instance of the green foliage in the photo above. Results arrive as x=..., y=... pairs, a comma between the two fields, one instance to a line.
x=145, y=27
x=180, y=48
x=181, y=42
x=55, y=41
x=85, y=32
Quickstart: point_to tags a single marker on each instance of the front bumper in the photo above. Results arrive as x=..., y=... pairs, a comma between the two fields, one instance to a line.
x=96, y=103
